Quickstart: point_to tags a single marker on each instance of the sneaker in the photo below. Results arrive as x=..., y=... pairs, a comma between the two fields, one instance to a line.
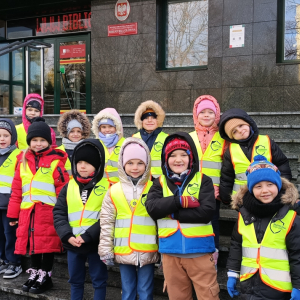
x=12, y=271
x=3, y=266
x=43, y=283
x=31, y=280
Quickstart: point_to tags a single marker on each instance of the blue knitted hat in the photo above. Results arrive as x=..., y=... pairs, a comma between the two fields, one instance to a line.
x=262, y=170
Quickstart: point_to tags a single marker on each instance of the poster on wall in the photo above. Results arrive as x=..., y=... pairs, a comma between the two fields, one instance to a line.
x=18, y=110
x=237, y=36
x=122, y=10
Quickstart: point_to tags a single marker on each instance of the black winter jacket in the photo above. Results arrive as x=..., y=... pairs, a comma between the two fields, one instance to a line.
x=254, y=288
x=60, y=211
x=227, y=171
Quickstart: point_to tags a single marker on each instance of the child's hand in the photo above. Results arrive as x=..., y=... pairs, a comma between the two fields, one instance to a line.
x=73, y=241
x=80, y=240
x=189, y=202
x=13, y=223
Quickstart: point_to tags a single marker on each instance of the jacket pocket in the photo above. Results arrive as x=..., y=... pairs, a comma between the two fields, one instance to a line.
x=215, y=289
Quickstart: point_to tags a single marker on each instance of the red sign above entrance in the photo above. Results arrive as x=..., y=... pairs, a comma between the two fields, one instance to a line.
x=122, y=29
x=72, y=51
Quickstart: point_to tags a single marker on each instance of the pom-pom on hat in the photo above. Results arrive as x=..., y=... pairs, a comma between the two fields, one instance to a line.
x=262, y=170
x=204, y=104
x=134, y=151
x=39, y=128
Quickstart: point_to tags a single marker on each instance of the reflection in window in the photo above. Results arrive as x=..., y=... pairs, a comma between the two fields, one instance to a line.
x=17, y=93
x=187, y=31
x=34, y=71
x=49, y=80
x=17, y=65
x=4, y=65
x=4, y=99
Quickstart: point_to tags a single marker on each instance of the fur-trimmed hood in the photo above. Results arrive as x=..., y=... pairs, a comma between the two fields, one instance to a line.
x=108, y=113
x=74, y=114
x=289, y=197
x=143, y=107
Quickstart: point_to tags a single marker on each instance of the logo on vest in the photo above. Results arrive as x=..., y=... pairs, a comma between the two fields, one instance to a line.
x=215, y=146
x=99, y=190
x=7, y=163
x=260, y=150
x=117, y=150
x=133, y=202
x=45, y=170
x=277, y=226
x=193, y=188
x=158, y=146
x=143, y=200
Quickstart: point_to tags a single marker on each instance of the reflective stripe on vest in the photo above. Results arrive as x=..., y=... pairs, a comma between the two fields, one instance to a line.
x=240, y=162
x=133, y=230
x=211, y=160
x=80, y=216
x=7, y=171
x=39, y=187
x=155, y=154
x=68, y=166
x=168, y=226
x=270, y=257
x=22, y=135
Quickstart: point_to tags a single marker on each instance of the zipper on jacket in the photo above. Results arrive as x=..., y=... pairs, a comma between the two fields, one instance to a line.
x=32, y=229
x=61, y=174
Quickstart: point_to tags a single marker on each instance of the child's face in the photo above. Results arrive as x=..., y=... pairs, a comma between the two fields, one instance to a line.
x=241, y=132
x=135, y=168
x=75, y=135
x=5, y=138
x=178, y=161
x=38, y=144
x=206, y=117
x=32, y=112
x=265, y=191
x=84, y=168
x=107, y=129
x=150, y=123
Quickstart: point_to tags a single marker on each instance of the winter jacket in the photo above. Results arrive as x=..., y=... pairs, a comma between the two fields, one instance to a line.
x=108, y=214
x=60, y=211
x=227, y=171
x=26, y=123
x=36, y=223
x=253, y=288
x=159, y=207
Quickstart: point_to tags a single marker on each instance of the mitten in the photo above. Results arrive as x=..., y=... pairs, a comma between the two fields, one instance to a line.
x=216, y=256
x=109, y=262
x=231, y=287
x=189, y=202
x=295, y=294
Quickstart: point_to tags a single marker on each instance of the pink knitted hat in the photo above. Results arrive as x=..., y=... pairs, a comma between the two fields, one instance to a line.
x=134, y=151
x=204, y=104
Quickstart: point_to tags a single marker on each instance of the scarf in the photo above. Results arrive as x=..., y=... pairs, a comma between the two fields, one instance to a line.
x=178, y=179
x=10, y=148
x=109, y=140
x=85, y=180
x=69, y=144
x=134, y=180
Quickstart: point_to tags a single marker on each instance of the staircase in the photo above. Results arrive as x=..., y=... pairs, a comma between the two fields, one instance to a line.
x=276, y=124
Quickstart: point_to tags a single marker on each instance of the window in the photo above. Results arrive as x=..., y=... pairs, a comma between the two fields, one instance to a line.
x=183, y=34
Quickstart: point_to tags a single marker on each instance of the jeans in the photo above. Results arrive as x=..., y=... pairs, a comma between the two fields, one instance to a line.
x=97, y=270
x=136, y=280
x=215, y=223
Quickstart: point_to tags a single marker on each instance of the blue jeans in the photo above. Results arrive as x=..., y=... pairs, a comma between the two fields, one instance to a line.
x=97, y=270
x=215, y=223
x=8, y=240
x=136, y=280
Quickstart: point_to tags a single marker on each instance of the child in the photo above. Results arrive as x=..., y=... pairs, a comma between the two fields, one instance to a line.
x=10, y=263
x=76, y=217
x=73, y=126
x=149, y=118
x=182, y=202
x=132, y=244
x=210, y=147
x=33, y=107
x=39, y=177
x=238, y=128
x=107, y=126
x=265, y=242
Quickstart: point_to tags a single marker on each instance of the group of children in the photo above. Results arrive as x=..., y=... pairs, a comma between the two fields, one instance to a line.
x=148, y=197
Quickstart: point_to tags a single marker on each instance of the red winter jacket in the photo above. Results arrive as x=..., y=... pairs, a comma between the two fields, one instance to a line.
x=36, y=224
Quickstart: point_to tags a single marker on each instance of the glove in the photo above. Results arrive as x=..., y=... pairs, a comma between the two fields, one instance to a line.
x=189, y=202
x=109, y=262
x=295, y=294
x=216, y=256
x=231, y=287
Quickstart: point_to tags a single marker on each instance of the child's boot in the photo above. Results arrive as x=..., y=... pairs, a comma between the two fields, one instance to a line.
x=31, y=280
x=43, y=283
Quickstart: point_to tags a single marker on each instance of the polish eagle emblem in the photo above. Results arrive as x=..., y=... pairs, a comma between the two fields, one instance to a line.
x=122, y=8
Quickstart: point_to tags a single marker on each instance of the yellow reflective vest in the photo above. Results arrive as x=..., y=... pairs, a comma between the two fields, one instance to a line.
x=270, y=257
x=168, y=226
x=211, y=160
x=155, y=154
x=39, y=187
x=22, y=135
x=68, y=166
x=240, y=162
x=7, y=172
x=81, y=216
x=134, y=231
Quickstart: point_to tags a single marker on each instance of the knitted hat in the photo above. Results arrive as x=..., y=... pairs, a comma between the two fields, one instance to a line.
x=204, y=104
x=148, y=113
x=88, y=153
x=106, y=121
x=134, y=151
x=5, y=125
x=231, y=124
x=73, y=124
x=262, y=170
x=39, y=128
x=178, y=144
x=35, y=103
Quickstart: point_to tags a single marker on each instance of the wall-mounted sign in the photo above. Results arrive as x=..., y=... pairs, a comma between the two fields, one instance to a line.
x=122, y=29
x=72, y=51
x=122, y=10
x=237, y=36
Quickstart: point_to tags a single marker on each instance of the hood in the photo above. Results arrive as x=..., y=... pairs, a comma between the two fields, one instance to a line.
x=189, y=139
x=197, y=102
x=109, y=113
x=122, y=174
x=99, y=173
x=71, y=115
x=289, y=197
x=144, y=106
x=231, y=114
x=13, y=130
x=26, y=100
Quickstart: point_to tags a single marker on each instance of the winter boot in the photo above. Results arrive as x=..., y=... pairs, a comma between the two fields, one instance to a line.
x=31, y=280
x=43, y=283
